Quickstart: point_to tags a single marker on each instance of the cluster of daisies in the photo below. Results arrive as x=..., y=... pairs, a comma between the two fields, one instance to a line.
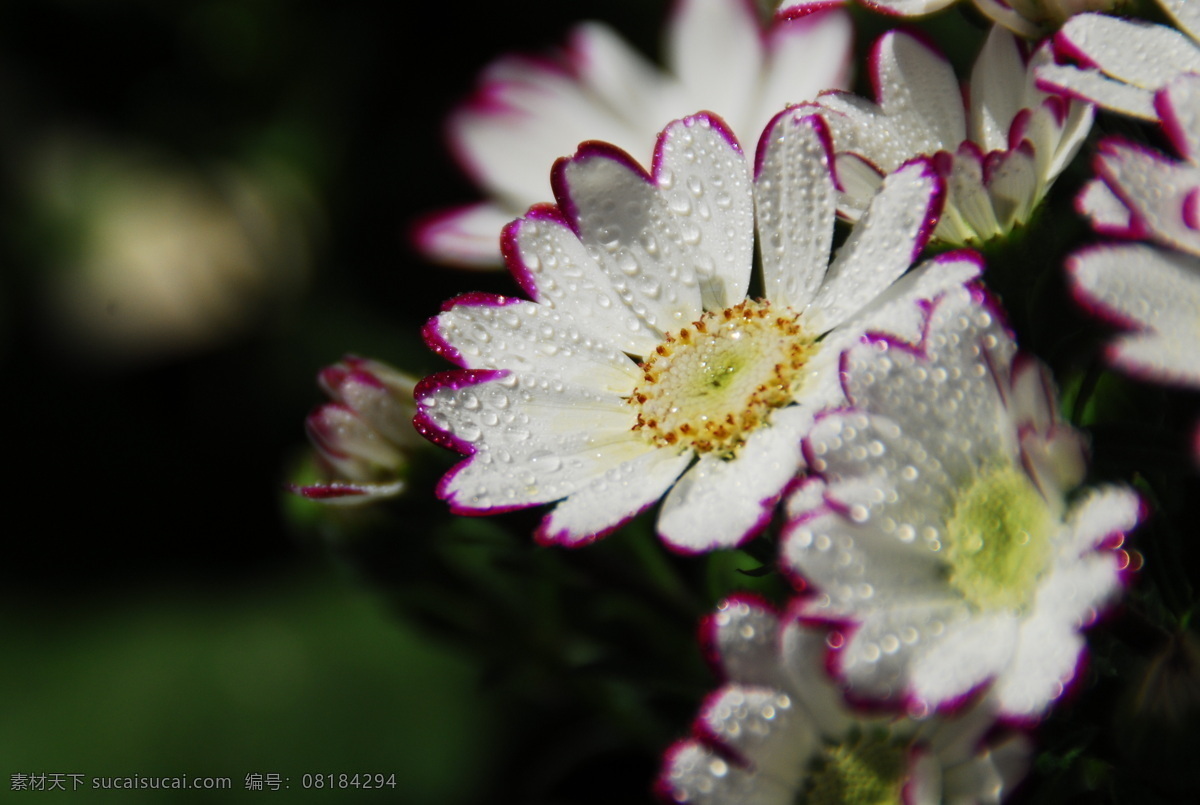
x=757, y=306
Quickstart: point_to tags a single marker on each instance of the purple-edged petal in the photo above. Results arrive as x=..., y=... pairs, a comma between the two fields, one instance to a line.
x=534, y=339
x=696, y=774
x=553, y=266
x=1155, y=291
x=1041, y=666
x=902, y=311
x=624, y=222
x=1133, y=51
x=1141, y=57
x=344, y=493
x=1162, y=194
x=524, y=113
x=807, y=54
x=763, y=724
x=1107, y=513
x=966, y=655
x=540, y=454
x=971, y=216
x=995, y=96
x=744, y=640
x=916, y=86
x=1089, y=84
x=882, y=245
x=466, y=236
x=1012, y=181
x=615, y=495
x=701, y=29
x=1105, y=210
x=796, y=202
x=719, y=503
x=1178, y=106
x=624, y=83
x=705, y=181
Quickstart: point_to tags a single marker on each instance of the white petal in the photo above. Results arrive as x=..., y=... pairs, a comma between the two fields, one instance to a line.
x=556, y=270
x=745, y=639
x=942, y=397
x=718, y=503
x=997, y=90
x=716, y=46
x=1106, y=212
x=907, y=8
x=1186, y=15
x=525, y=437
x=524, y=115
x=468, y=237
x=1136, y=52
x=1043, y=662
x=795, y=200
x=969, y=215
x=1092, y=85
x=803, y=657
x=1001, y=13
x=1155, y=291
x=764, y=726
x=625, y=225
x=1012, y=182
x=1105, y=513
x=860, y=181
x=627, y=86
x=876, y=660
x=806, y=55
x=861, y=127
x=965, y=656
x=836, y=556
x=695, y=774
x=882, y=245
x=507, y=333
x=916, y=86
x=902, y=310
x=342, y=493
x=1178, y=105
x=612, y=498
x=1162, y=194
x=706, y=183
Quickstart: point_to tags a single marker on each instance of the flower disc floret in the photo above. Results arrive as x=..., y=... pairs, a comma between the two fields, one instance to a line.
x=997, y=541
x=867, y=767
x=713, y=383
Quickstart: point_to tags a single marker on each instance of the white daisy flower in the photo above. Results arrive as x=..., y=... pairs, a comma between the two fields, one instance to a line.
x=1124, y=62
x=1151, y=292
x=527, y=112
x=642, y=368
x=1030, y=18
x=939, y=525
x=777, y=732
x=1000, y=156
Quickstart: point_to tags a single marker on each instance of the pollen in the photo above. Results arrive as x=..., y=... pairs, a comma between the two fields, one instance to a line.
x=712, y=383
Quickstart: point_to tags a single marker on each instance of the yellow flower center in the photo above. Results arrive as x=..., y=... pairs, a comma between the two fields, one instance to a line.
x=864, y=769
x=710, y=385
x=998, y=540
